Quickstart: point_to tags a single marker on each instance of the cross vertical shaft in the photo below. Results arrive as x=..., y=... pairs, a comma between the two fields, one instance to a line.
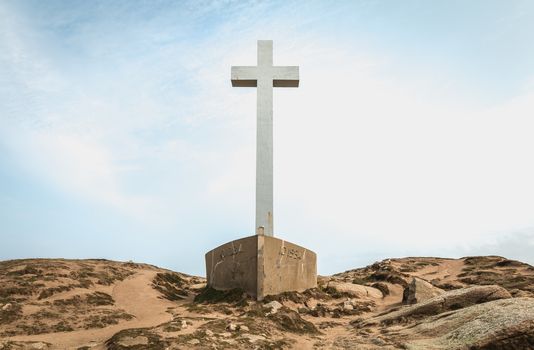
x=264, y=76
x=264, y=140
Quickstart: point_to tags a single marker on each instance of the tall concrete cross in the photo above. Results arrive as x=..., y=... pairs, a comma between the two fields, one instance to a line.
x=265, y=76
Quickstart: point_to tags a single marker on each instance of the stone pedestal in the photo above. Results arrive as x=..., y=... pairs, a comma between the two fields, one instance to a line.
x=261, y=265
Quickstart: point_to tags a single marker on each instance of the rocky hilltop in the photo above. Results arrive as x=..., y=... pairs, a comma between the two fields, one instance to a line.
x=410, y=303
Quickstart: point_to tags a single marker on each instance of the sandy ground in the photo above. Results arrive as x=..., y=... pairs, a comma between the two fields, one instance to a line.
x=135, y=296
x=447, y=271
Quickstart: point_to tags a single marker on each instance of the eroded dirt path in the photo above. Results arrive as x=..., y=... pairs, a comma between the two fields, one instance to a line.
x=448, y=270
x=135, y=296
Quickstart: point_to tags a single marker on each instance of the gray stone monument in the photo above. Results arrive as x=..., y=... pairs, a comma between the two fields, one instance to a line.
x=262, y=264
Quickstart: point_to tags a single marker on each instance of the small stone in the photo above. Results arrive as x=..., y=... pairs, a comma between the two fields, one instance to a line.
x=231, y=327
x=193, y=342
x=209, y=333
x=303, y=310
x=378, y=341
x=133, y=341
x=243, y=328
x=39, y=346
x=254, y=338
x=274, y=306
x=226, y=334
x=311, y=303
x=347, y=305
x=184, y=324
x=7, y=307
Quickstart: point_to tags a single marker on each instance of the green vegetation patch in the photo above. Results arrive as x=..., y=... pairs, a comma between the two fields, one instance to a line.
x=18, y=345
x=106, y=319
x=136, y=339
x=488, y=262
x=7, y=292
x=10, y=312
x=171, y=285
x=105, y=276
x=27, y=270
x=486, y=270
x=197, y=308
x=74, y=301
x=48, y=292
x=383, y=271
x=99, y=299
x=288, y=320
x=381, y=287
x=393, y=277
x=210, y=295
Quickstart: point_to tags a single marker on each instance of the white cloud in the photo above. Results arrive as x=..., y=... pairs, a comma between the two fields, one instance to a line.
x=79, y=166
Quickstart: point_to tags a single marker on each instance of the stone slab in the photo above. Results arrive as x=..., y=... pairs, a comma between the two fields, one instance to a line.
x=261, y=265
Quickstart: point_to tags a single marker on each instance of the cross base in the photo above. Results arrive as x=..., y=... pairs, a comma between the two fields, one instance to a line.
x=261, y=266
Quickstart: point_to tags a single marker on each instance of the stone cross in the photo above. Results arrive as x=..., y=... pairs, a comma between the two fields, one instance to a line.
x=265, y=76
x=261, y=264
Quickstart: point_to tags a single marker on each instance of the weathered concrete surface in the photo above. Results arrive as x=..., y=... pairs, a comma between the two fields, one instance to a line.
x=286, y=267
x=234, y=265
x=261, y=265
x=264, y=76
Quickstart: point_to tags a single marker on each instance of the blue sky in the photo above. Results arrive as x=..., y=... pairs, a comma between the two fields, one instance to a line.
x=410, y=134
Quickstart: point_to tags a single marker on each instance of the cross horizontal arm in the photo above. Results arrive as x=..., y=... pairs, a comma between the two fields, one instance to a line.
x=244, y=76
x=286, y=76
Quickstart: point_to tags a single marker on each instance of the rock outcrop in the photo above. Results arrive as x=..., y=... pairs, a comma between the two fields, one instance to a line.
x=500, y=324
x=448, y=301
x=419, y=290
x=355, y=290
